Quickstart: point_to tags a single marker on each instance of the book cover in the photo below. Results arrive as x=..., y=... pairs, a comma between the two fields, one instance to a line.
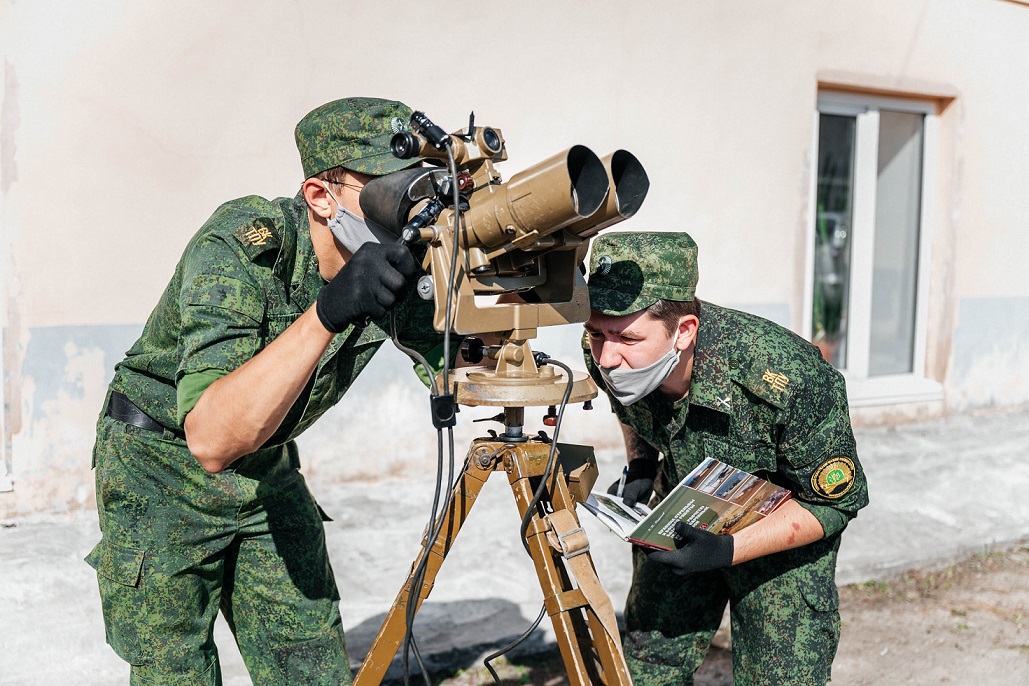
x=715, y=496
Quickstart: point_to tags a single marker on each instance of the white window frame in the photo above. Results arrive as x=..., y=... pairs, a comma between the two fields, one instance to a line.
x=894, y=388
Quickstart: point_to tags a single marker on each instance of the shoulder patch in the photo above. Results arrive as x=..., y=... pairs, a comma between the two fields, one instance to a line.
x=834, y=477
x=257, y=237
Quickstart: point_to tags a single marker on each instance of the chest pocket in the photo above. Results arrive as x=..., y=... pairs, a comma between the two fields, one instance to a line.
x=756, y=458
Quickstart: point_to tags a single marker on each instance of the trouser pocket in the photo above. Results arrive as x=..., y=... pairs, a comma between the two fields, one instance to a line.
x=120, y=574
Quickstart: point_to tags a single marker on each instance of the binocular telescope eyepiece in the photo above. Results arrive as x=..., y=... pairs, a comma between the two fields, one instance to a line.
x=405, y=145
x=429, y=140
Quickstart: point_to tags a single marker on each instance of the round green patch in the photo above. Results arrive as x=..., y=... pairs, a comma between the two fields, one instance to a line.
x=834, y=477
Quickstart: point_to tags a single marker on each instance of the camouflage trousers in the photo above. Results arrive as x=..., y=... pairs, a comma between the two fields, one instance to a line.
x=784, y=615
x=179, y=544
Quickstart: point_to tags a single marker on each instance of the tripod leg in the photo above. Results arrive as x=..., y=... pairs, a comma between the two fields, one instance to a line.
x=393, y=628
x=576, y=613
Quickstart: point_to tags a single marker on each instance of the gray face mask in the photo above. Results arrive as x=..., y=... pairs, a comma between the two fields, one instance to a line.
x=352, y=231
x=629, y=385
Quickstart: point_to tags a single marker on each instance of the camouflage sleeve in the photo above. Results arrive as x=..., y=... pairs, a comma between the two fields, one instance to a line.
x=818, y=453
x=221, y=310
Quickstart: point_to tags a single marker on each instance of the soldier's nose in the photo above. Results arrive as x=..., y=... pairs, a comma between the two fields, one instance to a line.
x=609, y=358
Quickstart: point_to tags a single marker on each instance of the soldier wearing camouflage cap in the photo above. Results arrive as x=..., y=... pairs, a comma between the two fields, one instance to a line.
x=689, y=381
x=259, y=332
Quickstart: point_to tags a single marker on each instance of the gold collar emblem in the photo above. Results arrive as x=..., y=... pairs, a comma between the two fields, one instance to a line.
x=258, y=235
x=778, y=382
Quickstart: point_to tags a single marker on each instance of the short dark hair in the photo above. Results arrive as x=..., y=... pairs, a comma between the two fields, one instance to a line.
x=335, y=175
x=669, y=312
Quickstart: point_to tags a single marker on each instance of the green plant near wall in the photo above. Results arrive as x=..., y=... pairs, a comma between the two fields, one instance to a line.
x=827, y=301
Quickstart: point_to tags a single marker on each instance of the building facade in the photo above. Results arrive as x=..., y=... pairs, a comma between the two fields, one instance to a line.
x=850, y=169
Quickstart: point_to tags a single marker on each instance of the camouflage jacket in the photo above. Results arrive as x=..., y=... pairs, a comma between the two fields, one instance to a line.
x=249, y=273
x=761, y=399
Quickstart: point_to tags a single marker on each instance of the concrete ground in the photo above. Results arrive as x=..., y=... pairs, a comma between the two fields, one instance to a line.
x=939, y=490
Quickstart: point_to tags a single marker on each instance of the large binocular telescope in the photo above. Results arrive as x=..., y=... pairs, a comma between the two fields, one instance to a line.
x=529, y=233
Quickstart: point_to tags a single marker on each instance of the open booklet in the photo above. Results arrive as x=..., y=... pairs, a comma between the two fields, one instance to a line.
x=714, y=496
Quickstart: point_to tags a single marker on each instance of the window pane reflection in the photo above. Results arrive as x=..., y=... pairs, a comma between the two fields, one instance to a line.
x=898, y=201
x=832, y=236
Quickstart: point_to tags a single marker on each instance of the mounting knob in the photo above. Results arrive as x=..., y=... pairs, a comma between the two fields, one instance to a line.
x=472, y=350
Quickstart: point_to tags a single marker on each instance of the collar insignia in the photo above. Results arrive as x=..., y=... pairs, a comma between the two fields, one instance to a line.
x=258, y=235
x=777, y=382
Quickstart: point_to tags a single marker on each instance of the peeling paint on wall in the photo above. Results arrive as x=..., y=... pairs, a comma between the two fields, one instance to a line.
x=990, y=364
x=61, y=382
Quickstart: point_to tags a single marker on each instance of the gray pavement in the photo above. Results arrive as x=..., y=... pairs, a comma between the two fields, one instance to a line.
x=939, y=491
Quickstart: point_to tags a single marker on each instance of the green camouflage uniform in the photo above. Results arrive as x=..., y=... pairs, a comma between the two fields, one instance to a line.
x=180, y=543
x=761, y=399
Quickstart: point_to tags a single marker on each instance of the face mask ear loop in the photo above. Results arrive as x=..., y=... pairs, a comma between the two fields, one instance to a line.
x=332, y=195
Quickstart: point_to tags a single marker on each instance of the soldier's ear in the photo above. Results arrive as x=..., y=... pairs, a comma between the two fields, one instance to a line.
x=686, y=331
x=317, y=197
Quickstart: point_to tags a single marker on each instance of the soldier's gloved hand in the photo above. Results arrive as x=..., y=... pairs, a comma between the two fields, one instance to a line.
x=367, y=286
x=697, y=551
x=639, y=482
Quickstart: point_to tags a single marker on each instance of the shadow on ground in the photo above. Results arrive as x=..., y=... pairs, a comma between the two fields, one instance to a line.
x=481, y=627
x=452, y=637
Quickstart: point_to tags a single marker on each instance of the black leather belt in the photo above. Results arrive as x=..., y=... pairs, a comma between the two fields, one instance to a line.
x=121, y=409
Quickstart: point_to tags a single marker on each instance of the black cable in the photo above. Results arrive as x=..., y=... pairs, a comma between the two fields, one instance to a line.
x=419, y=574
x=436, y=519
x=418, y=577
x=529, y=512
x=492, y=656
x=453, y=268
x=414, y=354
x=527, y=517
x=409, y=641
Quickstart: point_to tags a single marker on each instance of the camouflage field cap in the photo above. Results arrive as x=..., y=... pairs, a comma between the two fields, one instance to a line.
x=630, y=271
x=353, y=133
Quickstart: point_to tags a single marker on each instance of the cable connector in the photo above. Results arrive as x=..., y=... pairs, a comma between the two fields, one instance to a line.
x=444, y=410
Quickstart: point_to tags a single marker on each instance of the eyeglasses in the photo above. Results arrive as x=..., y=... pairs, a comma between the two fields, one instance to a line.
x=347, y=185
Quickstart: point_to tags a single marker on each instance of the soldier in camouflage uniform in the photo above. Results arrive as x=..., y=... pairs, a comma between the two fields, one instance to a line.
x=260, y=331
x=689, y=381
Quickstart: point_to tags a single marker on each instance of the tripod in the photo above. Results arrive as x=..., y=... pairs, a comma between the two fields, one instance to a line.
x=581, y=613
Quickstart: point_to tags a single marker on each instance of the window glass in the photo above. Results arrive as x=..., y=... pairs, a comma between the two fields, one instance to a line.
x=833, y=221
x=898, y=202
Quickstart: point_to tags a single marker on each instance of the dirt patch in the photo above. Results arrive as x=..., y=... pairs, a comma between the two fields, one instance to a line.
x=965, y=624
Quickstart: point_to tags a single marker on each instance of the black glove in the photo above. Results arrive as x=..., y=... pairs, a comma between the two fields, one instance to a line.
x=367, y=286
x=639, y=482
x=697, y=551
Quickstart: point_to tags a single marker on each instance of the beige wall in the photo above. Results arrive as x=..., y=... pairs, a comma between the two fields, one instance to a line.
x=126, y=123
